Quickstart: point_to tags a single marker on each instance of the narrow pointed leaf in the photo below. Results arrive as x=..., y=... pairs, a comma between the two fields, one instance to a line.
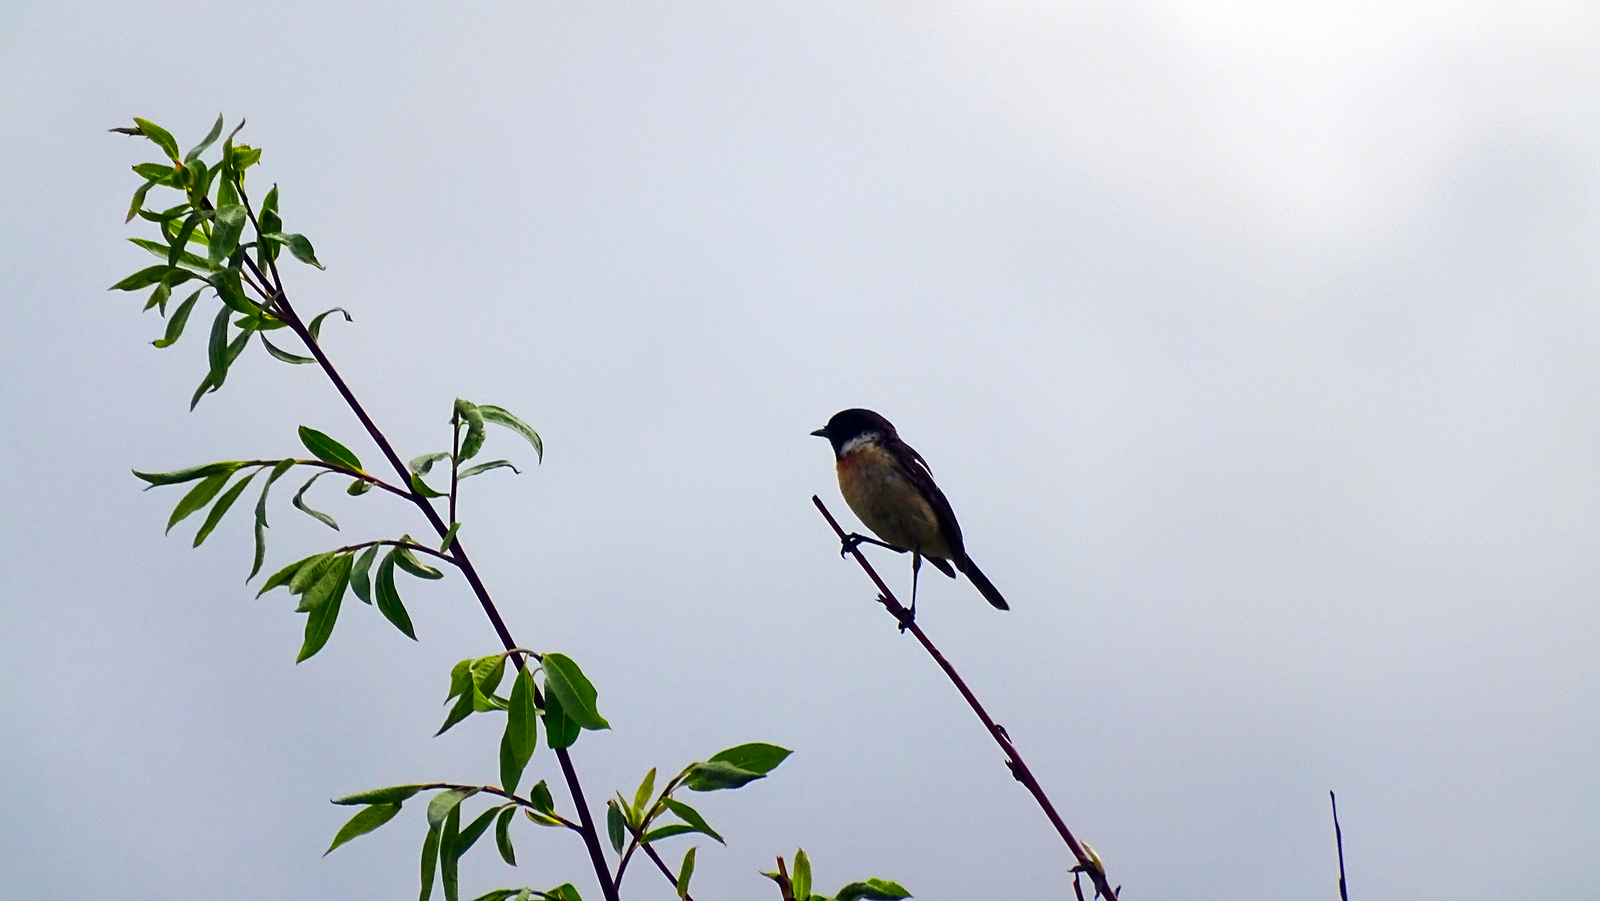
x=176, y=322
x=220, y=508
x=285, y=356
x=160, y=136
x=449, y=538
x=502, y=834
x=144, y=278
x=447, y=854
x=315, y=328
x=421, y=465
x=421, y=487
x=393, y=794
x=430, y=860
x=667, y=831
x=282, y=467
x=227, y=225
x=463, y=708
x=313, y=570
x=319, y=623
x=334, y=579
x=358, y=487
x=211, y=138
x=502, y=417
x=468, y=413
x=717, y=775
x=138, y=199
x=300, y=504
x=217, y=348
x=521, y=734
x=390, y=606
x=409, y=562
x=446, y=801
x=199, y=496
x=481, y=468
x=755, y=757
x=474, y=830
x=360, y=578
x=363, y=822
x=188, y=475
x=328, y=450
x=641, y=797
x=285, y=575
x=559, y=729
x=566, y=681
x=692, y=817
x=614, y=828
x=872, y=890
x=685, y=872
x=802, y=874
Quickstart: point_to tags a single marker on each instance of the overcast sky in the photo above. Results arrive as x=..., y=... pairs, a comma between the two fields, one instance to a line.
x=1255, y=347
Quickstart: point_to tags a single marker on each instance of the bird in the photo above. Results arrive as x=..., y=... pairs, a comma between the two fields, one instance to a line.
x=891, y=489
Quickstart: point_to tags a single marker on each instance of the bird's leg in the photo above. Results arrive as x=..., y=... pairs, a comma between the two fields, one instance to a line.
x=855, y=539
x=916, y=567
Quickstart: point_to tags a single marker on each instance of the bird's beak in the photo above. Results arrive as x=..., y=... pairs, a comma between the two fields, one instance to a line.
x=821, y=433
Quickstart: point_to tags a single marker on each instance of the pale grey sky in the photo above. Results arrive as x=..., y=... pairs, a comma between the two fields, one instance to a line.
x=1255, y=346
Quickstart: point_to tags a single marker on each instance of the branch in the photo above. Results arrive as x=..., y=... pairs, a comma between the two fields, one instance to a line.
x=591, y=835
x=1014, y=762
x=1338, y=838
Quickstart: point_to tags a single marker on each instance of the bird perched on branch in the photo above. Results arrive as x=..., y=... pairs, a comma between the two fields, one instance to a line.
x=891, y=489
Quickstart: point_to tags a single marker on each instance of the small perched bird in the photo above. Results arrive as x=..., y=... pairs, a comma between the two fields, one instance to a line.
x=890, y=488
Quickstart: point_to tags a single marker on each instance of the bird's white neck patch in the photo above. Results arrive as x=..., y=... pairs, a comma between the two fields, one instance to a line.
x=861, y=440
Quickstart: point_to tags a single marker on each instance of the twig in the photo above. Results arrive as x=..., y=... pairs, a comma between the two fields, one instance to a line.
x=1014, y=761
x=591, y=835
x=1338, y=839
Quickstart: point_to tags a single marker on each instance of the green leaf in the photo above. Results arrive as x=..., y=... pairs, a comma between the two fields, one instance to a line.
x=502, y=417
x=285, y=356
x=328, y=450
x=319, y=624
x=181, y=240
x=144, y=278
x=286, y=575
x=521, y=735
x=160, y=136
x=614, y=828
x=421, y=465
x=802, y=874
x=409, y=562
x=360, y=582
x=462, y=709
x=421, y=488
x=300, y=504
x=229, y=286
x=282, y=467
x=447, y=854
x=312, y=571
x=315, y=328
x=158, y=297
x=501, y=894
x=466, y=411
x=692, y=817
x=393, y=610
x=393, y=794
x=872, y=890
x=299, y=245
x=539, y=796
x=138, y=199
x=667, y=831
x=216, y=132
x=179, y=318
x=559, y=729
x=755, y=757
x=487, y=671
x=332, y=582
x=446, y=801
x=471, y=471
x=358, y=487
x=188, y=475
x=198, y=496
x=430, y=859
x=228, y=224
x=473, y=832
x=564, y=892
x=717, y=775
x=221, y=507
x=449, y=537
x=217, y=348
x=566, y=681
x=641, y=797
x=363, y=822
x=684, y=872
x=502, y=834
x=157, y=173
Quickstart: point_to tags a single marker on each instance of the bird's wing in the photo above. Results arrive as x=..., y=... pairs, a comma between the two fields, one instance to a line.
x=916, y=469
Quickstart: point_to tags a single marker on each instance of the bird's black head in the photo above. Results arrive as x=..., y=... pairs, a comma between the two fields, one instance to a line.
x=853, y=423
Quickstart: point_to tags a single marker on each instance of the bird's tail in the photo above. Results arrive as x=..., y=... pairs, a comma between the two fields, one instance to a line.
x=984, y=586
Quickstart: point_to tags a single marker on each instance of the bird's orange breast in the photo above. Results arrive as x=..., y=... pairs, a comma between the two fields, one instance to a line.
x=887, y=502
